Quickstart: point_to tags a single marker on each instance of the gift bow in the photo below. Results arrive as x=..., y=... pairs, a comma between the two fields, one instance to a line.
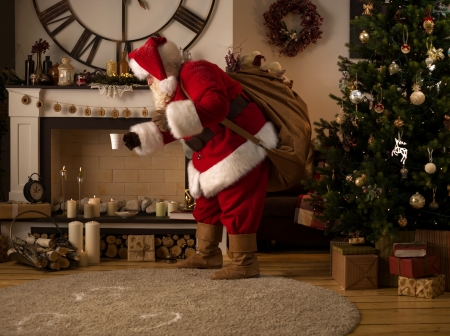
x=141, y=253
x=436, y=54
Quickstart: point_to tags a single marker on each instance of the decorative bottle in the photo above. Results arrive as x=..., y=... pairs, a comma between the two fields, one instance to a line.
x=123, y=64
x=47, y=64
x=29, y=69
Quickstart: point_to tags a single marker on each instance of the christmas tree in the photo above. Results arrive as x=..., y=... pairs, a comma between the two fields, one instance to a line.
x=387, y=153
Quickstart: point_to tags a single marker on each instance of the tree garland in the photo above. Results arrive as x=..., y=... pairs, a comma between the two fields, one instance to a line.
x=291, y=42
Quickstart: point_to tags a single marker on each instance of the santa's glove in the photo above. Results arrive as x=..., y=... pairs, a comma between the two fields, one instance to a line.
x=160, y=119
x=131, y=140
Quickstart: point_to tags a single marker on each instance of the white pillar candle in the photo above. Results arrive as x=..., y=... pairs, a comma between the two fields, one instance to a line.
x=71, y=209
x=76, y=234
x=83, y=259
x=89, y=210
x=112, y=208
x=93, y=242
x=96, y=202
x=172, y=206
x=160, y=209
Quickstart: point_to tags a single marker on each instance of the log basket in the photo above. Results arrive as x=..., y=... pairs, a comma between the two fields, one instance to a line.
x=25, y=253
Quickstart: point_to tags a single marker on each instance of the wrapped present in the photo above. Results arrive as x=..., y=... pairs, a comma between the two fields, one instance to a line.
x=414, y=267
x=410, y=250
x=305, y=212
x=141, y=248
x=428, y=287
x=337, y=241
x=355, y=271
x=350, y=249
x=438, y=243
x=10, y=211
x=4, y=246
x=385, y=249
x=356, y=240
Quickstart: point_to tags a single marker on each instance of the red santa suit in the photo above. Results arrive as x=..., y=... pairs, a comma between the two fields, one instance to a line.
x=228, y=176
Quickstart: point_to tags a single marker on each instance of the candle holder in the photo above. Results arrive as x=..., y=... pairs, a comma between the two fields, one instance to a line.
x=80, y=181
x=63, y=189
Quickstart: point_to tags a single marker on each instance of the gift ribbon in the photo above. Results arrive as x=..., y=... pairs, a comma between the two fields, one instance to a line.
x=141, y=253
x=426, y=266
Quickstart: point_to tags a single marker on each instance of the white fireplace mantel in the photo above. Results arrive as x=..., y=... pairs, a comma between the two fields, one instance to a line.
x=24, y=119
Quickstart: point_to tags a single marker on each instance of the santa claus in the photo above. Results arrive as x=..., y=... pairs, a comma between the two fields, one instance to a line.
x=227, y=174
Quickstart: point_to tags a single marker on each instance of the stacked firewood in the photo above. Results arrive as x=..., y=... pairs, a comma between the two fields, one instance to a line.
x=53, y=253
x=181, y=247
x=114, y=246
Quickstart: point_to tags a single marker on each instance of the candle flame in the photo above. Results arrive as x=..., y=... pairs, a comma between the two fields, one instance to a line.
x=80, y=169
x=94, y=196
x=64, y=167
x=111, y=199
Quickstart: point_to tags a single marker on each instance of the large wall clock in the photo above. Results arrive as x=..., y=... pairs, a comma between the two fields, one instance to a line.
x=94, y=31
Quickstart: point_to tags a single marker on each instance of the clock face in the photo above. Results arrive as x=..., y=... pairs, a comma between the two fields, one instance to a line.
x=93, y=32
x=36, y=191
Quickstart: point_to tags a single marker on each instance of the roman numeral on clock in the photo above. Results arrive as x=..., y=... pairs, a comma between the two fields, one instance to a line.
x=189, y=19
x=78, y=50
x=49, y=16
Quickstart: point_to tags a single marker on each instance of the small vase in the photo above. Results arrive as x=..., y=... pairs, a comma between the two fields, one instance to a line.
x=39, y=65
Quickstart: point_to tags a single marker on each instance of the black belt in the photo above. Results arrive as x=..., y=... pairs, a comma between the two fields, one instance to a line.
x=198, y=141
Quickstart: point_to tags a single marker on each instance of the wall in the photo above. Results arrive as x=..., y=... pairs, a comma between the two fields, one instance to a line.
x=314, y=71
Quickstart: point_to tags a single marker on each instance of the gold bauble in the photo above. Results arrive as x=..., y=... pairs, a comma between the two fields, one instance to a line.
x=417, y=201
x=398, y=122
x=433, y=205
x=402, y=221
x=364, y=36
x=417, y=98
x=359, y=182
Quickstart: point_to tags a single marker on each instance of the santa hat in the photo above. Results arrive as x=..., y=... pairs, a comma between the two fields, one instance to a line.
x=159, y=58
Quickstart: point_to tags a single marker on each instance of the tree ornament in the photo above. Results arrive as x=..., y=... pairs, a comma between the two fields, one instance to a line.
x=379, y=107
x=428, y=24
x=433, y=53
x=316, y=142
x=400, y=150
x=393, y=68
x=447, y=121
x=349, y=178
x=430, y=167
x=356, y=97
x=405, y=48
x=341, y=117
x=417, y=201
x=367, y=8
x=417, y=97
x=404, y=172
x=359, y=182
x=434, y=205
x=399, y=122
x=364, y=36
x=291, y=42
x=429, y=62
x=402, y=221
x=371, y=139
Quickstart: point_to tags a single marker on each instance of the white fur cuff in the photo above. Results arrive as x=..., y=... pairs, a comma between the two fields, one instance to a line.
x=150, y=136
x=183, y=119
x=168, y=85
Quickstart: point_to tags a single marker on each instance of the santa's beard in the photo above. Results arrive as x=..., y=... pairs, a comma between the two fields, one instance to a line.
x=160, y=98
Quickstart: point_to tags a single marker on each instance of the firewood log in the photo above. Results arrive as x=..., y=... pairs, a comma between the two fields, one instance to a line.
x=162, y=252
x=15, y=256
x=63, y=262
x=181, y=242
x=111, y=239
x=52, y=236
x=189, y=252
x=119, y=241
x=157, y=241
x=43, y=249
x=62, y=251
x=190, y=242
x=44, y=235
x=123, y=252
x=176, y=250
x=45, y=242
x=168, y=241
x=124, y=237
x=51, y=255
x=102, y=244
x=187, y=237
x=36, y=235
x=54, y=265
x=176, y=237
x=112, y=250
x=29, y=252
x=73, y=255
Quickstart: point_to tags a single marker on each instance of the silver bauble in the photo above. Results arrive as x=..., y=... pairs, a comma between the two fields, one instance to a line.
x=430, y=168
x=359, y=181
x=429, y=62
x=417, y=201
x=417, y=97
x=393, y=68
x=356, y=97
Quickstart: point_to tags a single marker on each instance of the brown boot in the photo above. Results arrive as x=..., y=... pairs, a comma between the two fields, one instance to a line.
x=244, y=263
x=209, y=255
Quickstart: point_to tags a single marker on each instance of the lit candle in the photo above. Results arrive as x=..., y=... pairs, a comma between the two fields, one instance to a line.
x=83, y=259
x=93, y=242
x=172, y=206
x=89, y=210
x=96, y=202
x=76, y=234
x=71, y=209
x=80, y=175
x=112, y=208
x=160, y=209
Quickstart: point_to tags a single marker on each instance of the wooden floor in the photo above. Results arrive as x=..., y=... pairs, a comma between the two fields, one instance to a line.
x=383, y=312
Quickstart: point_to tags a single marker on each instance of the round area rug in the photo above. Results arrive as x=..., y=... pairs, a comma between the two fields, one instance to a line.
x=172, y=302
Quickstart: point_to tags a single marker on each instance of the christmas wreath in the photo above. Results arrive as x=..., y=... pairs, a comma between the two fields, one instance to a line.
x=292, y=42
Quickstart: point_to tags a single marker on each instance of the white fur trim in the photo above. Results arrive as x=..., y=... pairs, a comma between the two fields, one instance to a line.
x=233, y=167
x=171, y=58
x=168, y=85
x=138, y=71
x=150, y=136
x=183, y=119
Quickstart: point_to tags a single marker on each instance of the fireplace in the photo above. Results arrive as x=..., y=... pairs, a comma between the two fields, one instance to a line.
x=44, y=141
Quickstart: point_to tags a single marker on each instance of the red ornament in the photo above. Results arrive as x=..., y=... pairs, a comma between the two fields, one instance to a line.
x=428, y=24
x=379, y=108
x=405, y=48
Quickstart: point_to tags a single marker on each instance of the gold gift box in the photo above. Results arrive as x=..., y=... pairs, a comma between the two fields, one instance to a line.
x=141, y=248
x=428, y=287
x=10, y=211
